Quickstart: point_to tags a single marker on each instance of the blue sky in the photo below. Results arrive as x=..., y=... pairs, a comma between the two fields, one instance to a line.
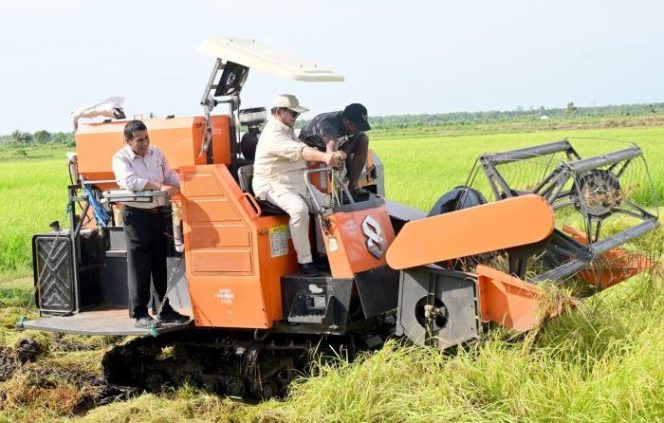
x=398, y=56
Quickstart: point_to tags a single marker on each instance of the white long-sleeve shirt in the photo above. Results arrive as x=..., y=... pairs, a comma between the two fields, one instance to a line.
x=132, y=171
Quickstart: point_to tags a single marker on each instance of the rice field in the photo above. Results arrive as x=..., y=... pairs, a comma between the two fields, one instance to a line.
x=420, y=169
x=33, y=193
x=600, y=362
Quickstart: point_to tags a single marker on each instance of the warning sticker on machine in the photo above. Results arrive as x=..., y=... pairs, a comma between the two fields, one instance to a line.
x=279, y=236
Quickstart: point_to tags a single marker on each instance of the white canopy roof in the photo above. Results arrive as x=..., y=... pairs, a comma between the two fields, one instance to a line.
x=255, y=55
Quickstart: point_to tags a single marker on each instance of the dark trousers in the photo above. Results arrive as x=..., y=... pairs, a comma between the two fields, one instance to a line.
x=146, y=258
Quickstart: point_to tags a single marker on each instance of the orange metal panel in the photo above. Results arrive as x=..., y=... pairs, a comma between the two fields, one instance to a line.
x=211, y=210
x=234, y=275
x=507, y=300
x=225, y=289
x=346, y=243
x=273, y=264
x=221, y=139
x=221, y=261
x=235, y=302
x=207, y=236
x=180, y=139
x=612, y=267
x=489, y=227
x=511, y=302
x=205, y=185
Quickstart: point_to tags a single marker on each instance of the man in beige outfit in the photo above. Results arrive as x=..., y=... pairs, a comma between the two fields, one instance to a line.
x=279, y=166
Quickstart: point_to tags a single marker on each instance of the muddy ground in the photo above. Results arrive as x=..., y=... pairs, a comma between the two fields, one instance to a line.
x=36, y=375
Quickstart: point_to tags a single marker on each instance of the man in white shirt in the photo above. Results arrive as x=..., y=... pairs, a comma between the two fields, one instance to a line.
x=279, y=166
x=138, y=166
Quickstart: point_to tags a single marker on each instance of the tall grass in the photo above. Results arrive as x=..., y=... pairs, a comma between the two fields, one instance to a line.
x=419, y=169
x=601, y=362
x=32, y=194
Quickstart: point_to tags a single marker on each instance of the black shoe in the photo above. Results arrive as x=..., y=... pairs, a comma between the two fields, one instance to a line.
x=322, y=263
x=323, y=266
x=309, y=269
x=146, y=322
x=173, y=317
x=360, y=194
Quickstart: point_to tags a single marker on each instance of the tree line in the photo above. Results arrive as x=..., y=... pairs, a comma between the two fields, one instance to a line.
x=570, y=111
x=42, y=137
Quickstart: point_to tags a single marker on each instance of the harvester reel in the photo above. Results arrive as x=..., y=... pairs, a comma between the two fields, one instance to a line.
x=596, y=188
x=598, y=193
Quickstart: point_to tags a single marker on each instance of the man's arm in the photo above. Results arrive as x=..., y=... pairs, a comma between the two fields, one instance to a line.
x=327, y=157
x=293, y=150
x=126, y=179
x=171, y=183
x=124, y=175
x=330, y=134
x=168, y=189
x=171, y=177
x=330, y=143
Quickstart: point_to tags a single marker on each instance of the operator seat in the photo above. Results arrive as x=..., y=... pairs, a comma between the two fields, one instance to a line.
x=245, y=177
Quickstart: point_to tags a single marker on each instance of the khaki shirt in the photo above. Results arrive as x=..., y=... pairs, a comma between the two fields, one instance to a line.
x=278, y=165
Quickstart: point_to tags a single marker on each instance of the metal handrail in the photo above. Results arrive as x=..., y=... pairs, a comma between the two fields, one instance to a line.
x=310, y=187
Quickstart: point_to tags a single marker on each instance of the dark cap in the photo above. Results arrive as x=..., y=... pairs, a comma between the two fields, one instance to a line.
x=357, y=114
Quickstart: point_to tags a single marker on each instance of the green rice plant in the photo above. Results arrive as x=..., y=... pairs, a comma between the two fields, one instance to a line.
x=600, y=362
x=32, y=194
x=419, y=169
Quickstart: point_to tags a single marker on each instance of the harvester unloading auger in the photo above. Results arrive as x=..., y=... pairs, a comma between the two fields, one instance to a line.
x=438, y=279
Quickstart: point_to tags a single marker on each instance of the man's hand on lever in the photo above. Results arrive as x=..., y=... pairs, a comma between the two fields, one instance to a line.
x=335, y=159
x=340, y=157
x=330, y=158
x=169, y=190
x=152, y=186
x=155, y=186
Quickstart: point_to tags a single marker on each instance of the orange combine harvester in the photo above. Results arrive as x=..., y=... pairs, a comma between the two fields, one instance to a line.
x=438, y=279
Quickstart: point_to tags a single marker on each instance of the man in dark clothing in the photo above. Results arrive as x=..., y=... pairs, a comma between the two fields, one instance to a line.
x=342, y=131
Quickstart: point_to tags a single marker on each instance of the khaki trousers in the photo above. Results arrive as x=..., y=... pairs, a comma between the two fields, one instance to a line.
x=298, y=208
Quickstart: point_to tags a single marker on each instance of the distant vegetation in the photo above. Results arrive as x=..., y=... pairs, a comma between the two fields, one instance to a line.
x=568, y=113
x=568, y=117
x=20, y=139
x=42, y=144
x=520, y=119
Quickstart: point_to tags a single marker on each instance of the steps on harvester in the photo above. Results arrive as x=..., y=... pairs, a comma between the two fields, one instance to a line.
x=316, y=300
